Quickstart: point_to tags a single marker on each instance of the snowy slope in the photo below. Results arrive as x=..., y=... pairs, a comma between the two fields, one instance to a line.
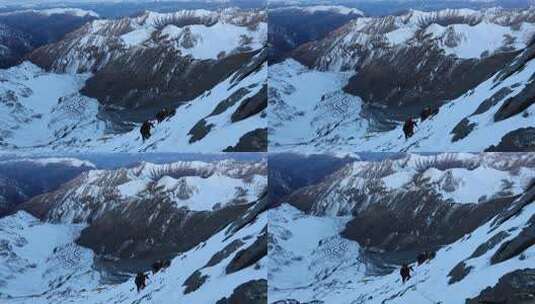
x=367, y=77
x=304, y=251
x=44, y=111
x=40, y=259
x=195, y=186
x=339, y=9
x=452, y=178
x=491, y=263
x=164, y=287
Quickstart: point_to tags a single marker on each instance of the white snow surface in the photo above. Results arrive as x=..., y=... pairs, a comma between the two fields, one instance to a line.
x=309, y=112
x=194, y=185
x=41, y=259
x=429, y=282
x=304, y=250
x=469, y=179
x=340, y=9
x=164, y=287
x=45, y=112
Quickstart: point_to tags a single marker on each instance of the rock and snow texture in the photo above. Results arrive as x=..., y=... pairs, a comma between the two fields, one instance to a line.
x=53, y=269
x=41, y=259
x=208, y=217
x=306, y=253
x=194, y=186
x=92, y=90
x=365, y=78
x=491, y=262
x=452, y=178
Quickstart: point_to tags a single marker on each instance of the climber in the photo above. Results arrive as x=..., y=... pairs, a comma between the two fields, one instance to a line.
x=421, y=258
x=166, y=264
x=140, y=281
x=426, y=113
x=408, y=127
x=156, y=266
x=405, y=272
x=160, y=116
x=145, y=130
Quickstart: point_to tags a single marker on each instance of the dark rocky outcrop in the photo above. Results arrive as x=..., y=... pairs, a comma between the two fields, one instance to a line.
x=513, y=288
x=492, y=101
x=252, y=292
x=517, y=245
x=489, y=244
x=396, y=227
x=254, y=141
x=405, y=84
x=250, y=255
x=519, y=140
x=131, y=234
x=199, y=131
x=517, y=103
x=224, y=253
x=462, y=129
x=194, y=282
x=459, y=272
x=251, y=106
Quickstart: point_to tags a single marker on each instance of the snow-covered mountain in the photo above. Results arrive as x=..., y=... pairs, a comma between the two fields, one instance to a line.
x=365, y=78
x=94, y=88
x=22, y=31
x=488, y=261
x=165, y=199
x=452, y=193
x=208, y=217
x=24, y=178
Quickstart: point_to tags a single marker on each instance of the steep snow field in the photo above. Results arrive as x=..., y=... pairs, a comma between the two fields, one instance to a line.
x=306, y=251
x=430, y=282
x=78, y=282
x=43, y=111
x=40, y=259
x=333, y=101
x=336, y=122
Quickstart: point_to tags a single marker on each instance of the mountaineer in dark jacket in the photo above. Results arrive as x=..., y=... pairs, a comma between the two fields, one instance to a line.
x=140, y=281
x=145, y=130
x=408, y=127
x=405, y=272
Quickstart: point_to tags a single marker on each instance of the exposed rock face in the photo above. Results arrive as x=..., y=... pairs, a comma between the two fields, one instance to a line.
x=250, y=255
x=517, y=104
x=436, y=223
x=194, y=282
x=416, y=214
x=152, y=210
x=514, y=287
x=254, y=292
x=516, y=246
x=407, y=73
x=155, y=60
x=459, y=272
x=520, y=140
x=462, y=129
x=252, y=141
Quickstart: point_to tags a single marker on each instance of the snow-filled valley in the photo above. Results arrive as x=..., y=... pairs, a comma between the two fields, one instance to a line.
x=353, y=89
x=84, y=241
x=93, y=89
x=328, y=243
